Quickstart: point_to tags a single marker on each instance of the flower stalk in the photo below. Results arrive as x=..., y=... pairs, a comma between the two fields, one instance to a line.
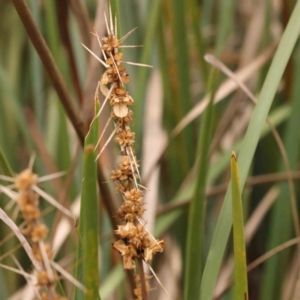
x=135, y=244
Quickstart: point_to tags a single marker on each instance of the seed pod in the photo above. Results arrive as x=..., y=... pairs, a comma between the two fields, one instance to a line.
x=110, y=61
x=125, y=78
x=120, y=110
x=118, y=56
x=120, y=92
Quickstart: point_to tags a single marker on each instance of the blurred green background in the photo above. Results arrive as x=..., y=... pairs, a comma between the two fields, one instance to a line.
x=175, y=35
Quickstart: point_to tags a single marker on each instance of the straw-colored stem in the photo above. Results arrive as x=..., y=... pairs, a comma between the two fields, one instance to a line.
x=143, y=279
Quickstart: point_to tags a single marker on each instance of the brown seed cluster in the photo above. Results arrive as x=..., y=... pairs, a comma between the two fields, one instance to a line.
x=135, y=242
x=124, y=172
x=115, y=74
x=138, y=290
x=36, y=232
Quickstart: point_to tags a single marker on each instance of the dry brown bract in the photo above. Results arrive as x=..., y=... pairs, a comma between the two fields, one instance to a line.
x=25, y=180
x=125, y=138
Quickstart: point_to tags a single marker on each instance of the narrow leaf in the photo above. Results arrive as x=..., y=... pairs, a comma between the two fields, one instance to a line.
x=279, y=232
x=195, y=233
x=87, y=259
x=240, y=265
x=5, y=168
x=216, y=168
x=260, y=113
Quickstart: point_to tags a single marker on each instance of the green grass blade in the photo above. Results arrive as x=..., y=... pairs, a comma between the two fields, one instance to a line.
x=3, y=285
x=260, y=113
x=195, y=13
x=53, y=31
x=226, y=16
x=115, y=11
x=195, y=233
x=87, y=259
x=183, y=73
x=5, y=168
x=112, y=282
x=12, y=109
x=240, y=264
x=282, y=231
x=165, y=221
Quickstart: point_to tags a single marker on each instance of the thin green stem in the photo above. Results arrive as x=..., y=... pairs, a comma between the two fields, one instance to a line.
x=195, y=234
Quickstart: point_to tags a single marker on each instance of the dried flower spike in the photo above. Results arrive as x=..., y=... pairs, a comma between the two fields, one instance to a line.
x=27, y=198
x=135, y=242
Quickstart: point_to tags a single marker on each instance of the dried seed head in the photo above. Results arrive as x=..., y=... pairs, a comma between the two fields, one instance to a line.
x=125, y=78
x=115, y=175
x=109, y=43
x=120, y=188
x=120, y=92
x=37, y=252
x=135, y=241
x=128, y=252
x=125, y=165
x=129, y=210
x=125, y=120
x=124, y=172
x=134, y=195
x=155, y=246
x=113, y=70
x=126, y=231
x=28, y=197
x=141, y=239
x=138, y=290
x=30, y=212
x=28, y=201
x=38, y=233
x=25, y=180
x=110, y=61
x=116, y=58
x=125, y=138
x=115, y=100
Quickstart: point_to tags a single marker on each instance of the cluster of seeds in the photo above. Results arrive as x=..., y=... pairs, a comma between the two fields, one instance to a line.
x=138, y=290
x=135, y=241
x=36, y=231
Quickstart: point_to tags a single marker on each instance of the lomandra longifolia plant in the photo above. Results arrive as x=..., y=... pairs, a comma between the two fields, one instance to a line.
x=45, y=107
x=135, y=243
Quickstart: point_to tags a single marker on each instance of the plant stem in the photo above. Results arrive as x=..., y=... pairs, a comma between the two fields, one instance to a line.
x=50, y=66
x=143, y=279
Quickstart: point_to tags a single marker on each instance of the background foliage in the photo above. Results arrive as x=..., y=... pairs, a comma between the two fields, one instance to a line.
x=175, y=35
